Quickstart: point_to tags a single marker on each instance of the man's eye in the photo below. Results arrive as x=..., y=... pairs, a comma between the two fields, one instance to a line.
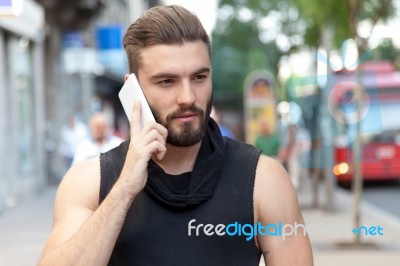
x=200, y=77
x=166, y=81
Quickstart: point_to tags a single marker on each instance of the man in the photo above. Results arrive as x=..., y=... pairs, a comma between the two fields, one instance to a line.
x=101, y=139
x=138, y=204
x=71, y=134
x=295, y=151
x=268, y=142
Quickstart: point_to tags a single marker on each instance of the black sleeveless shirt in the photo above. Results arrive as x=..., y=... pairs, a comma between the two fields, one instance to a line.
x=156, y=228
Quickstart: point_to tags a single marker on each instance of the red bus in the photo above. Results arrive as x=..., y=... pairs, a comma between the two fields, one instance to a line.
x=379, y=123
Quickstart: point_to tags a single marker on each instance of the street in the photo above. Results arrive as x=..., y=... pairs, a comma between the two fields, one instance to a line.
x=384, y=195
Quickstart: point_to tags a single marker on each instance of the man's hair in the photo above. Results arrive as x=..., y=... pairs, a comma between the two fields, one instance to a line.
x=162, y=25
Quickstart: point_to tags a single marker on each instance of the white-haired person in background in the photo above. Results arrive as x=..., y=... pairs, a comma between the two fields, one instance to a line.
x=101, y=139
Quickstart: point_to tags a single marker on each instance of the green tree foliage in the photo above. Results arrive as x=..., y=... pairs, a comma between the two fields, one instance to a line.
x=235, y=53
x=241, y=43
x=345, y=17
x=387, y=51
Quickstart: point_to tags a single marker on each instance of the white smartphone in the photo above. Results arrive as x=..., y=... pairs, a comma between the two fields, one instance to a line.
x=129, y=93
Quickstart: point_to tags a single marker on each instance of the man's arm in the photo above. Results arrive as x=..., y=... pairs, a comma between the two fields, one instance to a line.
x=84, y=233
x=276, y=202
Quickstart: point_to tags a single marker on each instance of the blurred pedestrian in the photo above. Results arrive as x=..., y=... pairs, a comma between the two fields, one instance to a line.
x=163, y=197
x=101, y=139
x=296, y=153
x=72, y=133
x=225, y=131
x=268, y=142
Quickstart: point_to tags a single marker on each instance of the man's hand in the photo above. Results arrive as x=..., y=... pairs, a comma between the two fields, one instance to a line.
x=144, y=143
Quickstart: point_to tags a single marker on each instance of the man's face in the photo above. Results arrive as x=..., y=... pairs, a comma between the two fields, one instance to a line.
x=176, y=80
x=99, y=128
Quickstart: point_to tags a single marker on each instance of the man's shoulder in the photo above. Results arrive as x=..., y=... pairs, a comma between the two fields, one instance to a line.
x=239, y=150
x=84, y=174
x=268, y=164
x=233, y=144
x=88, y=167
x=272, y=182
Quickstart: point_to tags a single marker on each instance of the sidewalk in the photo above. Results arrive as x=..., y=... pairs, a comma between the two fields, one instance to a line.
x=24, y=230
x=331, y=233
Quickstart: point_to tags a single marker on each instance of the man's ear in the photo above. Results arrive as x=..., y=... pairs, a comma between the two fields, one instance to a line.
x=126, y=77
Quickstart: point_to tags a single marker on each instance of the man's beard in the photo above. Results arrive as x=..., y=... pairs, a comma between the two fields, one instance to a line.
x=185, y=134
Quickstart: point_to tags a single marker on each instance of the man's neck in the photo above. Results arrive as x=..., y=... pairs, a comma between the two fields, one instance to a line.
x=178, y=160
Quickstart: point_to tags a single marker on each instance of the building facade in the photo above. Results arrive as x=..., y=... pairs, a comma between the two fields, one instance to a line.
x=51, y=68
x=89, y=73
x=21, y=103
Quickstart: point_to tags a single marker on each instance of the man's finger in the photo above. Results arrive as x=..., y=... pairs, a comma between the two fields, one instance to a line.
x=163, y=131
x=162, y=150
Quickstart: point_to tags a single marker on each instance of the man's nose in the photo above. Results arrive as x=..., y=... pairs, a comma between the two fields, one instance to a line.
x=186, y=94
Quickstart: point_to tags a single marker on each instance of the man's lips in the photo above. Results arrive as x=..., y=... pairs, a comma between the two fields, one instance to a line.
x=186, y=117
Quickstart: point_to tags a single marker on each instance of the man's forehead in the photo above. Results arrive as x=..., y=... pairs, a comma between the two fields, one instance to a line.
x=167, y=49
x=169, y=56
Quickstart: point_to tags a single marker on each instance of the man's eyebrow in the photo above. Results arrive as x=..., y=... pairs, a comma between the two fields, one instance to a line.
x=163, y=75
x=167, y=75
x=202, y=70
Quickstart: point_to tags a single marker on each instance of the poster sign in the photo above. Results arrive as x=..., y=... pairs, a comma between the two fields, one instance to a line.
x=260, y=103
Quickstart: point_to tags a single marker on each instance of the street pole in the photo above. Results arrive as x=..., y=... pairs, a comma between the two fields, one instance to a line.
x=357, y=151
x=326, y=124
